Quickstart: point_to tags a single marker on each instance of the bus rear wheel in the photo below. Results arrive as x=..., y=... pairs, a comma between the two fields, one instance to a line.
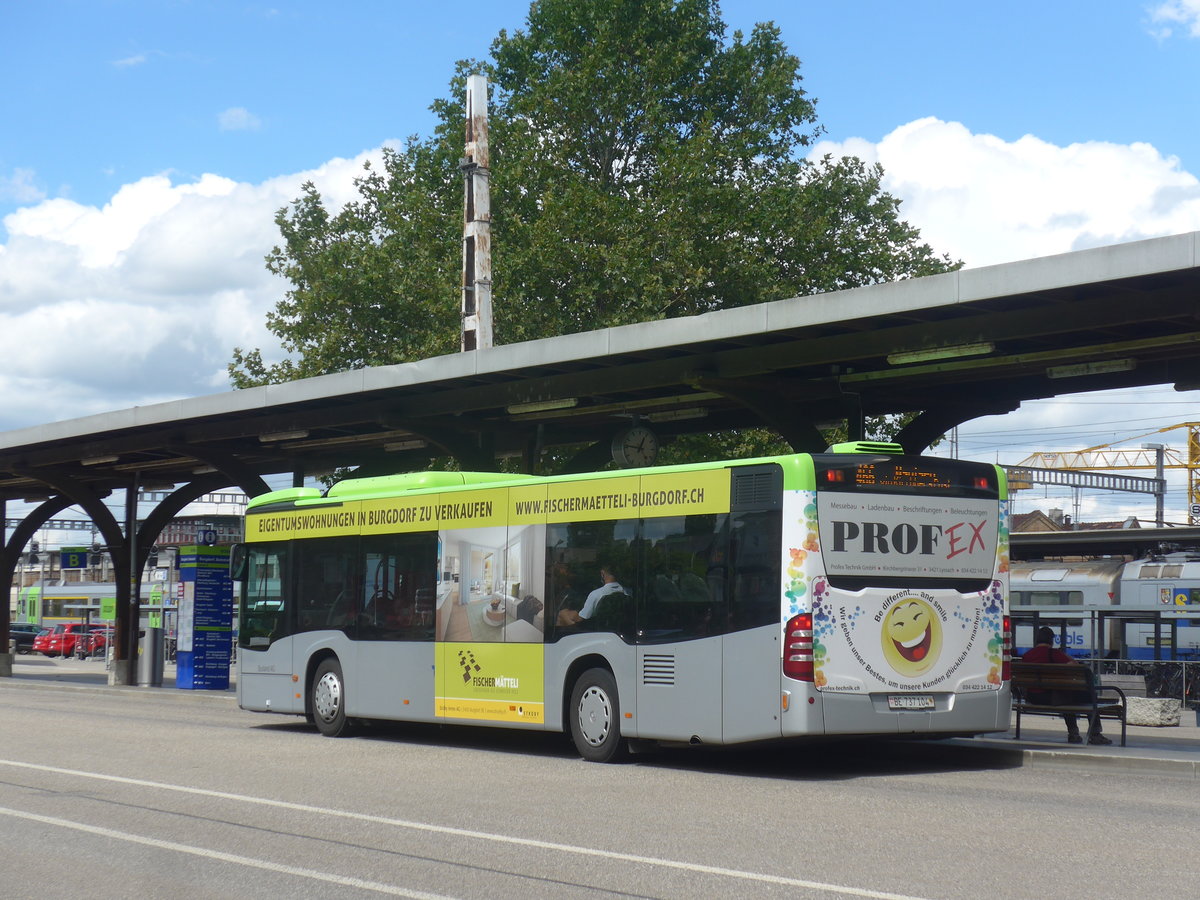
x=329, y=699
x=596, y=717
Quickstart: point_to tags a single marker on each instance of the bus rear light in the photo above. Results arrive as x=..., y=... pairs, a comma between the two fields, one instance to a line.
x=798, y=648
x=1006, y=651
x=836, y=476
x=981, y=482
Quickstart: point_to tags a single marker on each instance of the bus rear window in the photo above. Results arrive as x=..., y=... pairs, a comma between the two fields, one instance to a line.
x=907, y=521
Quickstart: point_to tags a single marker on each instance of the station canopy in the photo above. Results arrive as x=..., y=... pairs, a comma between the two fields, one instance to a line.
x=953, y=347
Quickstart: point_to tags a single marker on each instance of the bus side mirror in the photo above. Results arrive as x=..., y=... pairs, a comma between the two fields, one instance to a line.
x=238, y=558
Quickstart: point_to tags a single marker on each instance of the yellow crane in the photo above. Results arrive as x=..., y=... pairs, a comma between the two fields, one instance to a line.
x=1108, y=457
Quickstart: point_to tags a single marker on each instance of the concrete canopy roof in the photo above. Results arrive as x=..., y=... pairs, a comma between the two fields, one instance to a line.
x=1135, y=543
x=970, y=343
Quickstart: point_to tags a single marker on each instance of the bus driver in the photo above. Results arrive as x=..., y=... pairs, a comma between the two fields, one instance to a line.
x=610, y=585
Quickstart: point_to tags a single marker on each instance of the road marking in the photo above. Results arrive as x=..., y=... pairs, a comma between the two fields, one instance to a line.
x=339, y=880
x=760, y=877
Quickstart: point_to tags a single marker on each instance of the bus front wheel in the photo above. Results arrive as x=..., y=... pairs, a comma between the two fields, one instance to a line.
x=329, y=699
x=596, y=717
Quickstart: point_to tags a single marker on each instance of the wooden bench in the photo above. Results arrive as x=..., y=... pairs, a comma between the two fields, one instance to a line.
x=1039, y=680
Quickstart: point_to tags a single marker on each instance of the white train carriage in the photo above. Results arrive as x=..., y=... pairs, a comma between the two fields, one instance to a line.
x=1168, y=584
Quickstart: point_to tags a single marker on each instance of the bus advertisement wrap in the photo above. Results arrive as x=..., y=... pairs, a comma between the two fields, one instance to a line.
x=904, y=536
x=901, y=639
x=491, y=682
x=908, y=640
x=668, y=494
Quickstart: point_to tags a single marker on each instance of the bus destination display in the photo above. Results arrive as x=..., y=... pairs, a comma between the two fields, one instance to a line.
x=907, y=475
x=889, y=474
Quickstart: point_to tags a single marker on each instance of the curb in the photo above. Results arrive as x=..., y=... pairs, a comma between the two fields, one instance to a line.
x=1115, y=761
x=1112, y=765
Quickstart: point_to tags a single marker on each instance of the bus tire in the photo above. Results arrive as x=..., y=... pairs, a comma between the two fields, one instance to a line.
x=596, y=717
x=329, y=699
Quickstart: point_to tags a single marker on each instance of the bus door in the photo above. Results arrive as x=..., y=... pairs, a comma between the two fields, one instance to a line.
x=679, y=621
x=265, y=632
x=750, y=651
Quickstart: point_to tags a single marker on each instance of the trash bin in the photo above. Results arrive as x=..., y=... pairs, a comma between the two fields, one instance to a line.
x=150, y=659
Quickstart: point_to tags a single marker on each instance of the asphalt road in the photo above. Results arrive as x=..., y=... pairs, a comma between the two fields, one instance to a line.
x=162, y=793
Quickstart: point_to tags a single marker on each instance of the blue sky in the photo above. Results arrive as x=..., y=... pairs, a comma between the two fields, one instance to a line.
x=144, y=147
x=1065, y=70
x=114, y=90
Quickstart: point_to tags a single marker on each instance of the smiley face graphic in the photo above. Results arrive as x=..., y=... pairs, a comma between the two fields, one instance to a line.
x=912, y=637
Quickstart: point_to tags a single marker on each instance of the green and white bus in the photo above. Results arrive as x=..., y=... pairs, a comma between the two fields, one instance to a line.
x=854, y=592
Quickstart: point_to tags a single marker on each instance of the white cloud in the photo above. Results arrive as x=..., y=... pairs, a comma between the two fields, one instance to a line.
x=986, y=200
x=143, y=299
x=19, y=187
x=238, y=118
x=130, y=61
x=1165, y=17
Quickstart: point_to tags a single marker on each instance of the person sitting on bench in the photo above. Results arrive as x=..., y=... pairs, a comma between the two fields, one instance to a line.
x=1044, y=652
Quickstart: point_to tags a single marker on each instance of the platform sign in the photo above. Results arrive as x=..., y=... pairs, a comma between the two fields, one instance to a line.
x=73, y=558
x=205, y=643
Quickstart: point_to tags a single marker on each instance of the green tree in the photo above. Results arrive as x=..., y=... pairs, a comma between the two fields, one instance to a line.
x=645, y=165
x=375, y=282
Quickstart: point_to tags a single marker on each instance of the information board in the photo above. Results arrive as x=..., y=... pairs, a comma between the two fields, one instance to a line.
x=205, y=641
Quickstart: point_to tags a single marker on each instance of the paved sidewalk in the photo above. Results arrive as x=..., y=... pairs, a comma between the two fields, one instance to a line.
x=1168, y=750
x=91, y=673
x=1172, y=750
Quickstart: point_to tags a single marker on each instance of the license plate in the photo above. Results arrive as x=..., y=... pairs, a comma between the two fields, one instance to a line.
x=910, y=701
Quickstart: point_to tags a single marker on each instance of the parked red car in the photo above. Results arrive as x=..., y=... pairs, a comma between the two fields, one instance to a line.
x=65, y=639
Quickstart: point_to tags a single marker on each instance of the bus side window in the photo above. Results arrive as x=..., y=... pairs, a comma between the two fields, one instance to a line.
x=575, y=554
x=755, y=541
x=327, y=592
x=398, y=594
x=682, y=595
